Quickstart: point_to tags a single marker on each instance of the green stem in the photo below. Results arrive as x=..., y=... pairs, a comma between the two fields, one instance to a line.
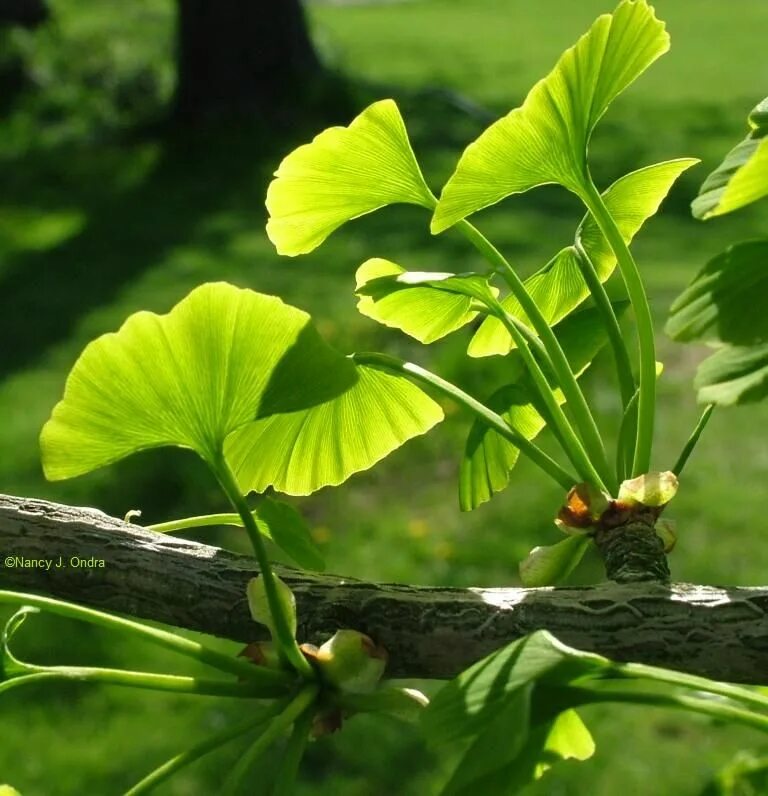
x=566, y=435
x=611, y=322
x=148, y=680
x=641, y=461
x=297, y=743
x=300, y=703
x=205, y=520
x=690, y=681
x=693, y=439
x=582, y=415
x=170, y=767
x=626, y=444
x=284, y=639
x=269, y=678
x=486, y=415
x=597, y=692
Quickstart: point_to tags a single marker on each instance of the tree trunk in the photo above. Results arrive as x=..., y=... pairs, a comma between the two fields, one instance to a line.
x=243, y=56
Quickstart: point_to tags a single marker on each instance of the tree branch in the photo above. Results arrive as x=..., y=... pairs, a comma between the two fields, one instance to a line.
x=429, y=632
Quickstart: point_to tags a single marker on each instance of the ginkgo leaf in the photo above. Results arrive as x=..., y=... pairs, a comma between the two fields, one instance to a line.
x=285, y=526
x=733, y=375
x=226, y=359
x=725, y=303
x=559, y=288
x=344, y=173
x=472, y=700
x=545, y=140
x=425, y=305
x=298, y=452
x=488, y=457
x=742, y=177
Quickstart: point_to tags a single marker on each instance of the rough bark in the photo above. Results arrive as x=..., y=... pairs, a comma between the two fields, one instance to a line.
x=429, y=632
x=242, y=57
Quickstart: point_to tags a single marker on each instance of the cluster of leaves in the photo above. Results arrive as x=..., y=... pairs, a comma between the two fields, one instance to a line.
x=246, y=383
x=723, y=304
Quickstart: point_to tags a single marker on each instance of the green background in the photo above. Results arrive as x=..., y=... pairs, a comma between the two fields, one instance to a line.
x=100, y=217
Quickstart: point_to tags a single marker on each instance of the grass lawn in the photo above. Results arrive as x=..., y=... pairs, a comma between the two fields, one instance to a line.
x=94, y=226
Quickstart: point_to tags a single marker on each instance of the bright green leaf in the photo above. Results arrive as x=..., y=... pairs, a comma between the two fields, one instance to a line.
x=299, y=451
x=425, y=305
x=568, y=739
x=286, y=527
x=474, y=698
x=725, y=302
x=742, y=177
x=545, y=140
x=558, y=288
x=488, y=457
x=546, y=566
x=226, y=360
x=344, y=173
x=259, y=604
x=733, y=375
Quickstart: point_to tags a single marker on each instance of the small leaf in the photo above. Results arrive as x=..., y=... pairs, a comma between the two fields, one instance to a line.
x=545, y=140
x=733, y=375
x=471, y=700
x=259, y=605
x=558, y=288
x=286, y=527
x=742, y=178
x=343, y=174
x=425, y=305
x=546, y=566
x=725, y=301
x=227, y=360
x=651, y=489
x=584, y=505
x=568, y=739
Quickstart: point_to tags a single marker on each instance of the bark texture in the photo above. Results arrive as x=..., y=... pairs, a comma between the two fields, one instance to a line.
x=429, y=632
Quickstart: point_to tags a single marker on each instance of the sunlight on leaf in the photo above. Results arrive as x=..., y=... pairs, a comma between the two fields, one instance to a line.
x=568, y=739
x=545, y=140
x=344, y=173
x=742, y=177
x=558, y=288
x=425, y=305
x=468, y=702
x=228, y=360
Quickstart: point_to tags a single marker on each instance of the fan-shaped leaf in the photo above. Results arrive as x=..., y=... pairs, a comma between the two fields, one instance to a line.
x=558, y=288
x=488, y=457
x=225, y=359
x=725, y=303
x=734, y=375
x=300, y=451
x=425, y=305
x=474, y=698
x=742, y=178
x=344, y=173
x=545, y=140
